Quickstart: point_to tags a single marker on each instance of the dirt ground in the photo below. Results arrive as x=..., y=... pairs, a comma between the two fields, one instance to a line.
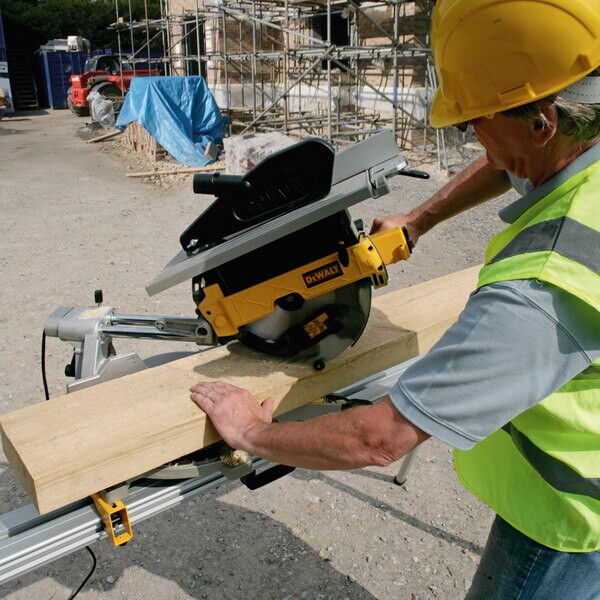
x=73, y=223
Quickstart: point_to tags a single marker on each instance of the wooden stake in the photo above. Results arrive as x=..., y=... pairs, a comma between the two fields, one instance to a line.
x=218, y=166
x=106, y=136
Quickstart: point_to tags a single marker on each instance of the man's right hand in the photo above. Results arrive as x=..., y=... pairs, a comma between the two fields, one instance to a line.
x=384, y=223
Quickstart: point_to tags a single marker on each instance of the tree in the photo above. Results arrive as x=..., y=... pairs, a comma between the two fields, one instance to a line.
x=57, y=19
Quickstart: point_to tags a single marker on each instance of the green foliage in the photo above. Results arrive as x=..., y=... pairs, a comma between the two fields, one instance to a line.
x=56, y=19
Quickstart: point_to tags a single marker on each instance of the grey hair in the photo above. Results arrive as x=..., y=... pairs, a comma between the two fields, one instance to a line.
x=581, y=121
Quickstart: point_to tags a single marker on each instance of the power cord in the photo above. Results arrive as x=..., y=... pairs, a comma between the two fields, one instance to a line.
x=47, y=395
x=88, y=575
x=43, y=366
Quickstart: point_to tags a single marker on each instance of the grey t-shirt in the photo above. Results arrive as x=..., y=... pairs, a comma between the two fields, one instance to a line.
x=515, y=343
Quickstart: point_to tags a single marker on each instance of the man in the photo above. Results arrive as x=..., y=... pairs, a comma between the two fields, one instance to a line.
x=514, y=385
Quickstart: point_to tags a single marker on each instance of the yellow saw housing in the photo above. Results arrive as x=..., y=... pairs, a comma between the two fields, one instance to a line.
x=366, y=259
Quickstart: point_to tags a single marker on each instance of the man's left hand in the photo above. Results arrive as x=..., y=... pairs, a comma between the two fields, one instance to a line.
x=232, y=410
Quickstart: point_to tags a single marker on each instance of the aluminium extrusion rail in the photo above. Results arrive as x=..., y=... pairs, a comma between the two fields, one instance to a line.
x=29, y=541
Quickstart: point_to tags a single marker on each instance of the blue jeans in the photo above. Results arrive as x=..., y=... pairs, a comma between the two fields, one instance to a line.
x=514, y=567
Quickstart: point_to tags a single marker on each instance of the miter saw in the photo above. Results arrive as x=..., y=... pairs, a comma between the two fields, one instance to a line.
x=275, y=262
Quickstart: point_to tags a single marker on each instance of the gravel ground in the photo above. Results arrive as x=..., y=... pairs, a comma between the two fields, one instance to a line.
x=72, y=223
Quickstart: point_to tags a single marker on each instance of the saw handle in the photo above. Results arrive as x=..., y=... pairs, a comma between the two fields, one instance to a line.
x=218, y=184
x=393, y=245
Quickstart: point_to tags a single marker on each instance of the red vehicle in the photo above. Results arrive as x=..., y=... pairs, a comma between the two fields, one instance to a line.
x=102, y=74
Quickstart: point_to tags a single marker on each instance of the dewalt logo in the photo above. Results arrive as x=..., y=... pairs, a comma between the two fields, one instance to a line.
x=322, y=274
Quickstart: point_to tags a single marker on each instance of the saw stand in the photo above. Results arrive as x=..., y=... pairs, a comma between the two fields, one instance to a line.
x=29, y=541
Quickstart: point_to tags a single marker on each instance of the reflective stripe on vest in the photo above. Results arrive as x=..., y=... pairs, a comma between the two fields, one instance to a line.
x=541, y=471
x=566, y=236
x=557, y=240
x=558, y=474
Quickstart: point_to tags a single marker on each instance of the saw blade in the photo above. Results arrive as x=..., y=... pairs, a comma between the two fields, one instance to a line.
x=346, y=311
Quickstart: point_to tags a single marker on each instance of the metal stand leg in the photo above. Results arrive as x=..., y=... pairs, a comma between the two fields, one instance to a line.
x=407, y=463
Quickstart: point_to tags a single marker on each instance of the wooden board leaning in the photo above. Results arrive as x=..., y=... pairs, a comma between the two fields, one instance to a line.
x=74, y=445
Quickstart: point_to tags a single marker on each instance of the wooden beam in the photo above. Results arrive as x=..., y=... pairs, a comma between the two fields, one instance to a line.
x=106, y=136
x=74, y=445
x=218, y=166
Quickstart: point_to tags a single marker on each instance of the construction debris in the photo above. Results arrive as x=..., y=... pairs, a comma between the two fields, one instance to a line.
x=242, y=152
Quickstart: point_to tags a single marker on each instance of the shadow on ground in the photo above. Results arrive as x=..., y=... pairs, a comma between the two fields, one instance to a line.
x=276, y=564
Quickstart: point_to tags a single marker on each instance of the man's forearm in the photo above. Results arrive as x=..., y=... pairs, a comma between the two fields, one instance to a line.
x=370, y=435
x=474, y=185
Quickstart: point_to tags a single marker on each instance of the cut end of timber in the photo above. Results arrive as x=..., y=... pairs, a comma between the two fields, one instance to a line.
x=19, y=467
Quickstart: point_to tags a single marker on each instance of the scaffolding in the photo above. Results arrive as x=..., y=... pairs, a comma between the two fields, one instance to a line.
x=340, y=70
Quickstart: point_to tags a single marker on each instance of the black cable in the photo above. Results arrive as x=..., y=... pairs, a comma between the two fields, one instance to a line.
x=88, y=575
x=47, y=394
x=43, y=365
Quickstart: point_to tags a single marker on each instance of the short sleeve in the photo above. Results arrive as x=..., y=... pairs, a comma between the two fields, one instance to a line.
x=514, y=344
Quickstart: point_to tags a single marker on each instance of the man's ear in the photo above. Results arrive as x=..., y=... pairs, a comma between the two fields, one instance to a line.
x=545, y=126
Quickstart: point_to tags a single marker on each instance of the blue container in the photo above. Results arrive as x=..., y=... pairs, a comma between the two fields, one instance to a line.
x=2, y=41
x=55, y=69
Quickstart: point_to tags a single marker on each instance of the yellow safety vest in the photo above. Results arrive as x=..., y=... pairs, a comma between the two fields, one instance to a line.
x=541, y=471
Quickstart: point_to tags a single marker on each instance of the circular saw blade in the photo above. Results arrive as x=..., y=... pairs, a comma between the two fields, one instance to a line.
x=352, y=304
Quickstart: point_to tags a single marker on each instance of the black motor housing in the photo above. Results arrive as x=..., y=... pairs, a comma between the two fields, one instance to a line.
x=284, y=181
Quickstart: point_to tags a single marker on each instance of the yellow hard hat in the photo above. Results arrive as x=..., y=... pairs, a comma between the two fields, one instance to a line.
x=492, y=55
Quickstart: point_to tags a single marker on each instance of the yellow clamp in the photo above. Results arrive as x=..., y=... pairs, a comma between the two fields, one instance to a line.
x=114, y=514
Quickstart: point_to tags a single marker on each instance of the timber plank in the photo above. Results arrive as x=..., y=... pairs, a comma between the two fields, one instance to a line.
x=74, y=445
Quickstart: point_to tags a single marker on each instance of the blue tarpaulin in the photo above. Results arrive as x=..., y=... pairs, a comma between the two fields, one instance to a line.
x=179, y=112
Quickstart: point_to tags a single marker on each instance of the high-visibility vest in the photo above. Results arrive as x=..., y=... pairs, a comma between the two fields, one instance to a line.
x=541, y=471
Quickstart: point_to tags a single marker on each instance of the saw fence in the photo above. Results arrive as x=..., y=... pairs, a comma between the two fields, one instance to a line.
x=75, y=445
